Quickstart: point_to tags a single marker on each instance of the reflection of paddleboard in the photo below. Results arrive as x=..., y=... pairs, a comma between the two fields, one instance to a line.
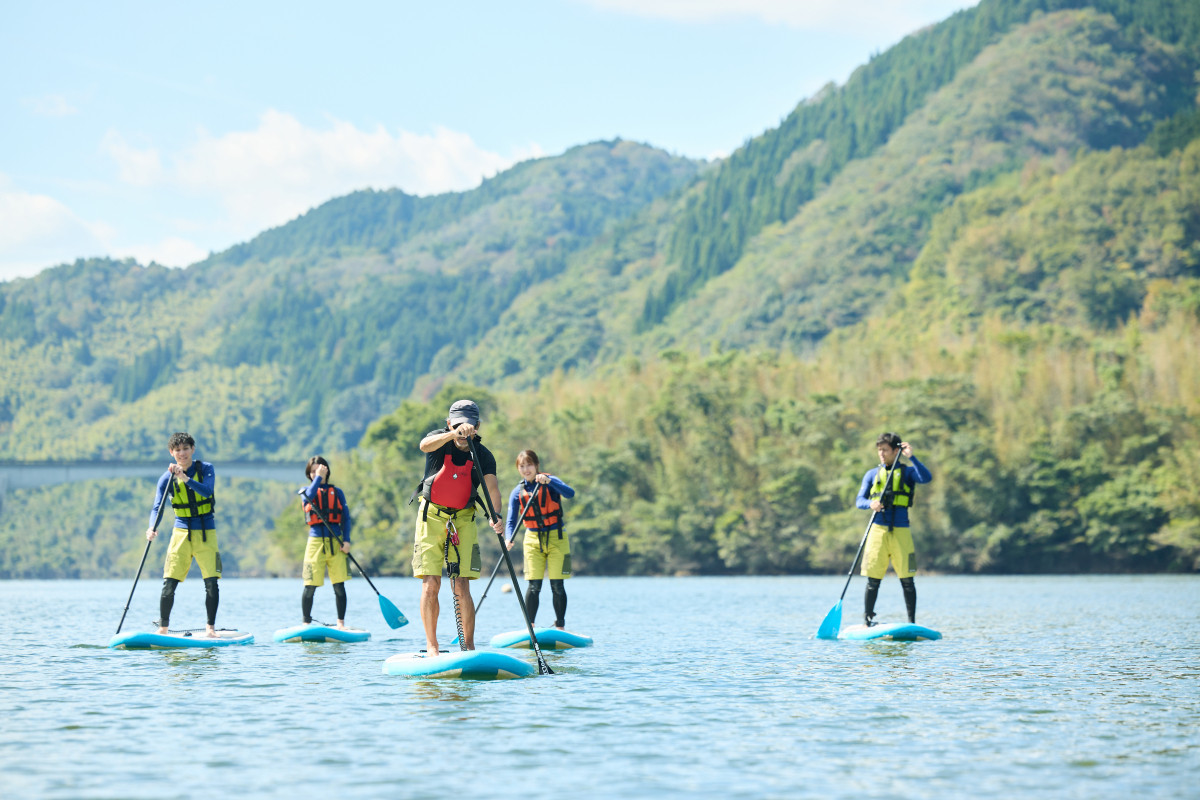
x=893, y=631
x=164, y=641
x=320, y=633
x=480, y=665
x=547, y=639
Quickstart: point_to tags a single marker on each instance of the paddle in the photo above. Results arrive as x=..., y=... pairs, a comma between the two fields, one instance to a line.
x=832, y=624
x=543, y=667
x=500, y=560
x=391, y=614
x=157, y=519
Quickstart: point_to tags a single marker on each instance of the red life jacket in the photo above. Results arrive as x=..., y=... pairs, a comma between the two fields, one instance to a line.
x=452, y=486
x=545, y=512
x=330, y=506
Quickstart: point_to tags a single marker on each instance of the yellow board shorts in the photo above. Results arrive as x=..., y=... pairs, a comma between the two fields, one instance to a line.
x=430, y=542
x=882, y=544
x=320, y=553
x=555, y=559
x=201, y=545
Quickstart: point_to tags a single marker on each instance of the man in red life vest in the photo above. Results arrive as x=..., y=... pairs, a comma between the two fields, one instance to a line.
x=446, y=532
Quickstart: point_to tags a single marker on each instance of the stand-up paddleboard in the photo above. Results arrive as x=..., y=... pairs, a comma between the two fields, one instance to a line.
x=547, y=639
x=479, y=665
x=166, y=641
x=893, y=632
x=320, y=633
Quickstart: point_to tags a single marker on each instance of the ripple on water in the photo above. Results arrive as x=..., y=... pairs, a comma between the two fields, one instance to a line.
x=695, y=688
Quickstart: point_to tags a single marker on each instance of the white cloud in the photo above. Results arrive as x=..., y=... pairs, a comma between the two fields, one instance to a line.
x=51, y=105
x=136, y=167
x=39, y=231
x=224, y=189
x=277, y=171
x=898, y=17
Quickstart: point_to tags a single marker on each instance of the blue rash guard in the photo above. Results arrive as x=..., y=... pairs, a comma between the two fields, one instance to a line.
x=318, y=530
x=202, y=484
x=514, y=501
x=896, y=516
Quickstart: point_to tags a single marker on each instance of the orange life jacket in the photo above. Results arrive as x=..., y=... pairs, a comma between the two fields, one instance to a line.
x=545, y=512
x=330, y=506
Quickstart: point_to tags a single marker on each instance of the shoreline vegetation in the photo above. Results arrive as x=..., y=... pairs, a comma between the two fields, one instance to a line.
x=987, y=241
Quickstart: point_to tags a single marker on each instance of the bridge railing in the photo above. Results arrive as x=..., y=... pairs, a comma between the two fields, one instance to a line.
x=34, y=474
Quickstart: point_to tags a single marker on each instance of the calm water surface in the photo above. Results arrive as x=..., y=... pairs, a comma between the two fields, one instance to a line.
x=697, y=687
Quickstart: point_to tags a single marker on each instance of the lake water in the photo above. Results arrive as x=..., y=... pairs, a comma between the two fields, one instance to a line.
x=696, y=687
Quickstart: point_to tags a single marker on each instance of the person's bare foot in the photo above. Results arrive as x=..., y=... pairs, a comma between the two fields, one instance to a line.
x=162, y=631
x=431, y=651
x=341, y=625
x=559, y=628
x=210, y=632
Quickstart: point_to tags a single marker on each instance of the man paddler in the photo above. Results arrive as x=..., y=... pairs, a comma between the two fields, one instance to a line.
x=445, y=534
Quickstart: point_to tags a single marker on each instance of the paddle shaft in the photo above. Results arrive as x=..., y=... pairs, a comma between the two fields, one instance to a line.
x=157, y=520
x=887, y=482
x=500, y=561
x=543, y=667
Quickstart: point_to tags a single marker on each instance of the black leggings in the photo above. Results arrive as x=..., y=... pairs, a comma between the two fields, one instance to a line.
x=907, y=585
x=559, y=593
x=212, y=599
x=306, y=601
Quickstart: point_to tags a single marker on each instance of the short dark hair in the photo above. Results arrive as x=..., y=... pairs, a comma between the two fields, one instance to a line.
x=528, y=455
x=312, y=464
x=892, y=440
x=180, y=439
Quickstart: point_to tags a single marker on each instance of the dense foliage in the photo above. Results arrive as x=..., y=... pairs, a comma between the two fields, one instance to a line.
x=772, y=176
x=738, y=463
x=303, y=336
x=988, y=240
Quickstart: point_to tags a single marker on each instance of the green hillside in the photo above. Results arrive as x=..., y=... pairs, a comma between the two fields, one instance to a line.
x=988, y=240
x=774, y=175
x=303, y=336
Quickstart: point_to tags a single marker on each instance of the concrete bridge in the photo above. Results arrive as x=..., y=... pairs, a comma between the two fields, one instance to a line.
x=32, y=474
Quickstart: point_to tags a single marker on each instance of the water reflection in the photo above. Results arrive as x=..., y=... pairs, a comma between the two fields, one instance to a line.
x=191, y=663
x=443, y=690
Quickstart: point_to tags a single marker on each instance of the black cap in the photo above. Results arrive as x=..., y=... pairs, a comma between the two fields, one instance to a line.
x=463, y=411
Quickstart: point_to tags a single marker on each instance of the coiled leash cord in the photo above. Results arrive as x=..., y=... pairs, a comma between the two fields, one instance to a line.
x=452, y=571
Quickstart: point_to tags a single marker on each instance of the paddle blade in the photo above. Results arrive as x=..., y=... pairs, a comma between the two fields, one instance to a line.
x=832, y=624
x=452, y=644
x=391, y=614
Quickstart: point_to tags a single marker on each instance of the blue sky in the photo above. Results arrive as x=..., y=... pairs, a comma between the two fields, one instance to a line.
x=164, y=131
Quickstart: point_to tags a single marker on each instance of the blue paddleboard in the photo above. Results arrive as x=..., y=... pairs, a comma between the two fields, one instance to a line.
x=165, y=641
x=892, y=632
x=320, y=633
x=547, y=639
x=479, y=665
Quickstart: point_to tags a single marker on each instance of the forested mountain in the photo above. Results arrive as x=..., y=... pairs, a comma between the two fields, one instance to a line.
x=988, y=240
x=303, y=336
